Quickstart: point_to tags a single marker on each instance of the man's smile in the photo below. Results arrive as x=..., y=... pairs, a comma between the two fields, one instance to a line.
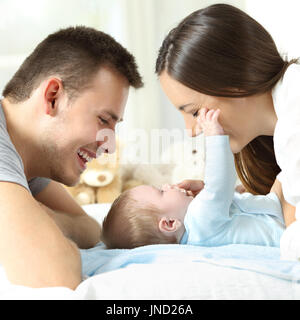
x=85, y=156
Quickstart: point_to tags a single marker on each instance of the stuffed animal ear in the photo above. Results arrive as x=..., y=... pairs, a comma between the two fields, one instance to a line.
x=86, y=196
x=83, y=194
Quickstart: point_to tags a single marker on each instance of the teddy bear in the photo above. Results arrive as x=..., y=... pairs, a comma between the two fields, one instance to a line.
x=103, y=175
x=100, y=182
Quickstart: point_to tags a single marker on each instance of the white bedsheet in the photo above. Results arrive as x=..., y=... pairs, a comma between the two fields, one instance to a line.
x=178, y=280
x=181, y=281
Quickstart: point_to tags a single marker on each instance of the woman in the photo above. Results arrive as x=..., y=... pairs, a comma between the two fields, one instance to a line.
x=219, y=57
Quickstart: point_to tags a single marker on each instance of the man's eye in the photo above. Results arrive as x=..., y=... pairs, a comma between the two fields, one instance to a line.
x=103, y=120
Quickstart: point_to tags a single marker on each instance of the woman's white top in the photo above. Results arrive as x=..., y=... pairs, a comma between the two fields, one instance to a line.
x=286, y=99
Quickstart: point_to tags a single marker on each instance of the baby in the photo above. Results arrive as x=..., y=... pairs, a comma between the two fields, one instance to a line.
x=216, y=216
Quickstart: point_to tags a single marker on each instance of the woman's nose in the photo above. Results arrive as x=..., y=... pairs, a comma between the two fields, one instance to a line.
x=192, y=127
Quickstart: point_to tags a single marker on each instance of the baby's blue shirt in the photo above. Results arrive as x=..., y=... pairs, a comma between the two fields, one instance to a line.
x=218, y=215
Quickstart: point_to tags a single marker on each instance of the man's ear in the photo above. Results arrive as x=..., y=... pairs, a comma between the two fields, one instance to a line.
x=52, y=92
x=169, y=225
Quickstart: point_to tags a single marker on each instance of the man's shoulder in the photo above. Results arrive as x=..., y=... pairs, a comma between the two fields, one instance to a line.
x=11, y=165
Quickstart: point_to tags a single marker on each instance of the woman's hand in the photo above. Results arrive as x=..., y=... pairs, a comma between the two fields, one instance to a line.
x=192, y=186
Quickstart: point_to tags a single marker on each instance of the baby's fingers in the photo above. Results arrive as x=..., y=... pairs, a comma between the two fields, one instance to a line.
x=210, y=114
x=202, y=115
x=215, y=115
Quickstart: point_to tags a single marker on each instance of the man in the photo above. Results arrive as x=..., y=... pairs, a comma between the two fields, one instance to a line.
x=74, y=84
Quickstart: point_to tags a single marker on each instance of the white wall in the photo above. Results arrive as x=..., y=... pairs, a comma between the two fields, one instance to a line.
x=140, y=25
x=24, y=24
x=282, y=21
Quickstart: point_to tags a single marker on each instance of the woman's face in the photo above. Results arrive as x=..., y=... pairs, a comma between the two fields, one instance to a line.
x=237, y=117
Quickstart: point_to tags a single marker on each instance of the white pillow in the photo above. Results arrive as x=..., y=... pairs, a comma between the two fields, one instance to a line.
x=97, y=210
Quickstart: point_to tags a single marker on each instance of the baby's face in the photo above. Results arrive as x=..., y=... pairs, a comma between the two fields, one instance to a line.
x=172, y=202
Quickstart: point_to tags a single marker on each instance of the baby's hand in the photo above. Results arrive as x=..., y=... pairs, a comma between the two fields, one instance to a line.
x=208, y=122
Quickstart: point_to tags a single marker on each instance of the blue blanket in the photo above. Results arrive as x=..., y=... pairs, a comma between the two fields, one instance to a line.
x=260, y=259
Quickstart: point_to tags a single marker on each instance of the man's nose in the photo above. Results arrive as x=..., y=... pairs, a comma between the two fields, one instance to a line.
x=106, y=146
x=106, y=141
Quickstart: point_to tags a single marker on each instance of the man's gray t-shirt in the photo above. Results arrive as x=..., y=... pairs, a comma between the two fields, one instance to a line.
x=11, y=165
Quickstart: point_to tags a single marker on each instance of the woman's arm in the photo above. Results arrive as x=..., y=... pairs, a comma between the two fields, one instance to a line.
x=288, y=209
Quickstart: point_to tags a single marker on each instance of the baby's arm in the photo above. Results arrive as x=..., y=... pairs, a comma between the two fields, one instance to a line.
x=220, y=172
x=210, y=208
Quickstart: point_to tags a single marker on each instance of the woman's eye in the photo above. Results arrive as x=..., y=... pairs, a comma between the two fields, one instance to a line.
x=195, y=114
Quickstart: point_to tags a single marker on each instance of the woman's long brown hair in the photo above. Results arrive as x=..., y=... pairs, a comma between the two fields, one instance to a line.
x=217, y=50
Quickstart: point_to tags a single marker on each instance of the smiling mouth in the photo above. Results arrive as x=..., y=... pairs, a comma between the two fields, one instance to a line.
x=84, y=157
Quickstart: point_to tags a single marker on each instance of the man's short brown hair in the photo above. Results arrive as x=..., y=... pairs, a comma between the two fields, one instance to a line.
x=74, y=54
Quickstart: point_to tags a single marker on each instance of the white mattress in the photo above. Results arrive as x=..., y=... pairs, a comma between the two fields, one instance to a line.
x=180, y=280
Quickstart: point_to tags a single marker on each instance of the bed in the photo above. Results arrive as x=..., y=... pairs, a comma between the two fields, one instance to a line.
x=173, y=272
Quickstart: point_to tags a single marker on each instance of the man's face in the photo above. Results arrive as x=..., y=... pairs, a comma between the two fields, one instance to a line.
x=74, y=134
